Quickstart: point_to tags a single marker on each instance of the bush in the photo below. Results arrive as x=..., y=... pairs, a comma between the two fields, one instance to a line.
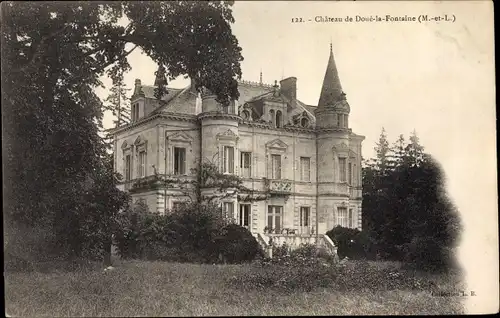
x=34, y=248
x=195, y=233
x=350, y=243
x=304, y=256
x=355, y=276
x=237, y=245
x=427, y=254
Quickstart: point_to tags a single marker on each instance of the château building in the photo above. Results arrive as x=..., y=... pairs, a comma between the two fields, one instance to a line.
x=304, y=157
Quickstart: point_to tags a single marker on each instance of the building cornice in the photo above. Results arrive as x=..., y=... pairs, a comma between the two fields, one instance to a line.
x=173, y=116
x=218, y=115
x=330, y=130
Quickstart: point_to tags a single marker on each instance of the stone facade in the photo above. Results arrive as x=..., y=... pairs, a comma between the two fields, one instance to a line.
x=305, y=157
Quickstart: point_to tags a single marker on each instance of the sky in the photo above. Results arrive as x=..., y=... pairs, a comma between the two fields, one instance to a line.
x=434, y=77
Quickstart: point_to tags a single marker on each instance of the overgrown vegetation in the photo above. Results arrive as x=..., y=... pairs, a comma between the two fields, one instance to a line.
x=195, y=233
x=159, y=289
x=407, y=215
x=291, y=275
x=351, y=243
x=58, y=178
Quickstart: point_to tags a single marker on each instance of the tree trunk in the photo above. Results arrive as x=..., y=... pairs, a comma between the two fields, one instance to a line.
x=107, y=251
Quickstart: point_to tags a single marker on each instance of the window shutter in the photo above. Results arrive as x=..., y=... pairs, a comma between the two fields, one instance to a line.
x=183, y=162
x=350, y=218
x=224, y=159
x=231, y=159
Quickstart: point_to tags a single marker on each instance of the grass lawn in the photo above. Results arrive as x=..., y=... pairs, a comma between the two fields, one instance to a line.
x=138, y=288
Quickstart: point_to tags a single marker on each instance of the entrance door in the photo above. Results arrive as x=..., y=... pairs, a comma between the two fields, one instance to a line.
x=305, y=220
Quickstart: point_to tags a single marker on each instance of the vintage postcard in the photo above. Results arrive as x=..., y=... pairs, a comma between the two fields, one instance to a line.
x=249, y=158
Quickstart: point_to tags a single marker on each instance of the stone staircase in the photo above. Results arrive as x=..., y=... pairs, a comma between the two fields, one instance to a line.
x=294, y=241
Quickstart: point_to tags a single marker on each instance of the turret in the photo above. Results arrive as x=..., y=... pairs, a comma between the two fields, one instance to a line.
x=333, y=149
x=219, y=133
x=333, y=109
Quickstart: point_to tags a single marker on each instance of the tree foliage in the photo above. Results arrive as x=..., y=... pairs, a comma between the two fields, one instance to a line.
x=51, y=64
x=406, y=212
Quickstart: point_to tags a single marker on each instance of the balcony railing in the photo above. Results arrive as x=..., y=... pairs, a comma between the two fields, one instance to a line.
x=152, y=182
x=278, y=186
x=292, y=240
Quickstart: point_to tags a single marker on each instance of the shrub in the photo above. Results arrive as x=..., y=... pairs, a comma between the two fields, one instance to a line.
x=194, y=233
x=426, y=254
x=236, y=245
x=303, y=256
x=25, y=246
x=350, y=242
x=355, y=276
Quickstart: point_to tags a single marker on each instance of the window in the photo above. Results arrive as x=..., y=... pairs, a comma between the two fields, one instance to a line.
x=228, y=159
x=179, y=161
x=128, y=166
x=274, y=217
x=342, y=169
x=244, y=219
x=349, y=173
x=245, y=164
x=342, y=217
x=354, y=174
x=304, y=216
x=350, y=218
x=276, y=166
x=345, y=121
x=231, y=108
x=305, y=169
x=273, y=119
x=228, y=210
x=245, y=115
x=142, y=164
x=176, y=205
x=338, y=120
x=304, y=122
x=279, y=118
x=135, y=112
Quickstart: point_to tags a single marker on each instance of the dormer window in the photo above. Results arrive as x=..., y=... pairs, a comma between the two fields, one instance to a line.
x=245, y=115
x=304, y=122
x=135, y=112
x=231, y=108
x=279, y=118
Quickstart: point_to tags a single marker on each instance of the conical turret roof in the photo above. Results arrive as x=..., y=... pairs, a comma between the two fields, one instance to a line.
x=331, y=92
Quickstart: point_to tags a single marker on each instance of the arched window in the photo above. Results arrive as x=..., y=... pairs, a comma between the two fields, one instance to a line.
x=273, y=119
x=278, y=119
x=304, y=122
x=245, y=115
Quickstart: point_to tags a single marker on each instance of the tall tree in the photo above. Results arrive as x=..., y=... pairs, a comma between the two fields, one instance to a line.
x=407, y=214
x=414, y=152
x=382, y=150
x=50, y=68
x=118, y=102
x=398, y=152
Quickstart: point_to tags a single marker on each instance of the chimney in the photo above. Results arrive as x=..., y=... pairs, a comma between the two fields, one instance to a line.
x=138, y=87
x=289, y=87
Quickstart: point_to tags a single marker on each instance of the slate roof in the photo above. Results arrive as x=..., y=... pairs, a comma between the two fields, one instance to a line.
x=184, y=100
x=331, y=92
